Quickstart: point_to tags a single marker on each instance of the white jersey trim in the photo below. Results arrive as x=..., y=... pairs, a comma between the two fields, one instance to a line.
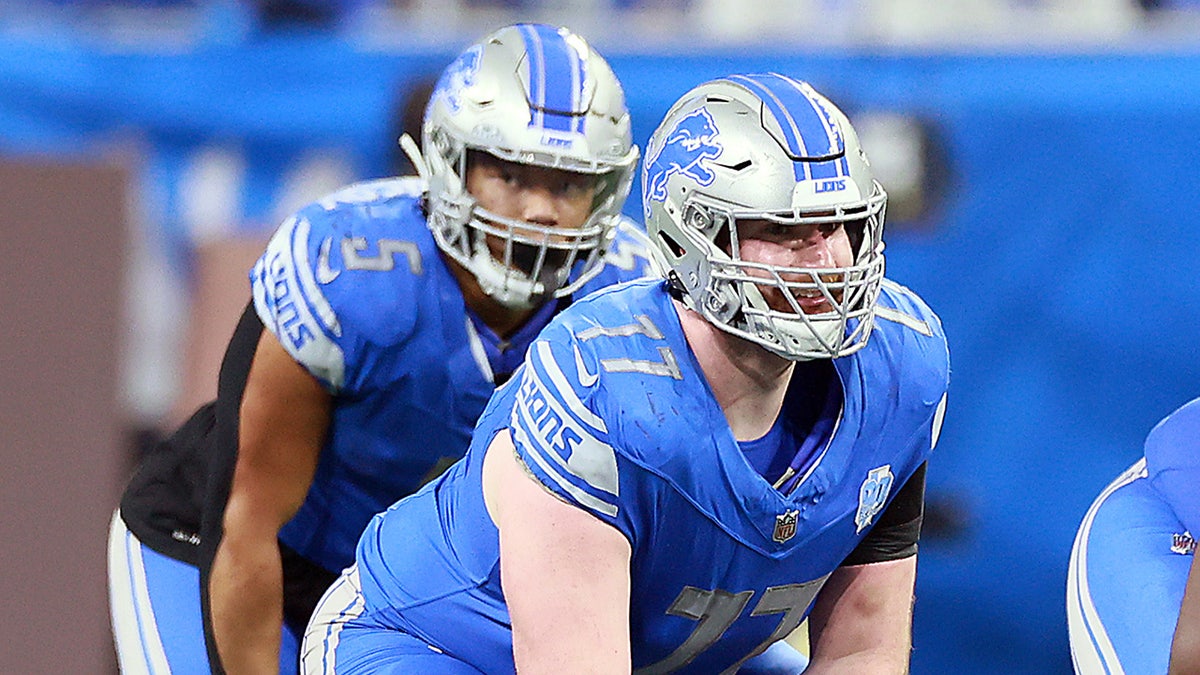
x=591, y=460
x=343, y=602
x=135, y=629
x=1092, y=650
x=308, y=280
x=546, y=430
x=285, y=265
x=583, y=498
x=542, y=354
x=899, y=316
x=896, y=316
x=478, y=352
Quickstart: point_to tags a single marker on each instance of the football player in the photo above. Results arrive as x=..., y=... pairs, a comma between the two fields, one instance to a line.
x=391, y=311
x=684, y=469
x=1133, y=587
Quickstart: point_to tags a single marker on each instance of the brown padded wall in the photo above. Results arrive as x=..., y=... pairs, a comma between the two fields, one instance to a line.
x=62, y=255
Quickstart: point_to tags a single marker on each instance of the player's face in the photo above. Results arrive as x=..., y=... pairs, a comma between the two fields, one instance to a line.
x=813, y=247
x=534, y=194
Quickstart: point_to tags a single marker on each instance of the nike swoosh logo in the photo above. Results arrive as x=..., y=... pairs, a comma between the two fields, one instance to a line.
x=585, y=378
x=324, y=273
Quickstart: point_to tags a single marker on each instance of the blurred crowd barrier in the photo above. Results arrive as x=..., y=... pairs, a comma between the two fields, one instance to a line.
x=677, y=23
x=1045, y=205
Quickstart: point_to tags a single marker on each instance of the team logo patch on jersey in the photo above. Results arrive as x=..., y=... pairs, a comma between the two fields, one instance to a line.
x=1183, y=544
x=459, y=76
x=785, y=525
x=691, y=144
x=873, y=495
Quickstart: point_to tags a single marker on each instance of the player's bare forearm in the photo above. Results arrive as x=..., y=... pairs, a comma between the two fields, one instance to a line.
x=284, y=418
x=246, y=599
x=862, y=619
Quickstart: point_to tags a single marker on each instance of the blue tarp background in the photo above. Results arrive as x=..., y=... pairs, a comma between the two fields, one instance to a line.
x=1064, y=259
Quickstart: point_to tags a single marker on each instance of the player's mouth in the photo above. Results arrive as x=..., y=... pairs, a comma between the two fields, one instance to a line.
x=809, y=301
x=813, y=302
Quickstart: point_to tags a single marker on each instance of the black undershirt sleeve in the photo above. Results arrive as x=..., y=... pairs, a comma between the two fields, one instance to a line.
x=895, y=534
x=231, y=385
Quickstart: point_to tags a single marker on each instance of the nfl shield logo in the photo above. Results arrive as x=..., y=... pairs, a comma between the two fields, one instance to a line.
x=1183, y=544
x=785, y=526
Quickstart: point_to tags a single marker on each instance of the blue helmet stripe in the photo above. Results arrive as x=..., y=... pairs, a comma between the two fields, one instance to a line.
x=825, y=169
x=537, y=81
x=555, y=79
x=807, y=129
x=578, y=76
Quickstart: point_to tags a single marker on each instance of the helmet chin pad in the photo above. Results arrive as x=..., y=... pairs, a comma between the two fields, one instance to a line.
x=505, y=285
x=791, y=334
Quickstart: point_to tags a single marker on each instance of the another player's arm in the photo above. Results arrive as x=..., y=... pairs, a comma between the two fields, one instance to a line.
x=862, y=619
x=283, y=421
x=1185, y=648
x=565, y=574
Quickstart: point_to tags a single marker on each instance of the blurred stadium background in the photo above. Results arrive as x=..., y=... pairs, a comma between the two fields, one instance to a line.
x=1041, y=156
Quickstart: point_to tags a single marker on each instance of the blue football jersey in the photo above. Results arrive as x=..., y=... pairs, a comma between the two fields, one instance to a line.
x=355, y=289
x=612, y=413
x=1133, y=553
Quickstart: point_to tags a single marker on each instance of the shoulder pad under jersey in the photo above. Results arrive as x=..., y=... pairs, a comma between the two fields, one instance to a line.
x=1173, y=462
x=578, y=380
x=341, y=275
x=916, y=349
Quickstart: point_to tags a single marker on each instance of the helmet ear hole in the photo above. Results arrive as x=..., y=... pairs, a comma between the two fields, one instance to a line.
x=671, y=247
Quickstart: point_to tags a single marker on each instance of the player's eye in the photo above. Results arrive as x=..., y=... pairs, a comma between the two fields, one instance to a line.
x=770, y=231
x=573, y=187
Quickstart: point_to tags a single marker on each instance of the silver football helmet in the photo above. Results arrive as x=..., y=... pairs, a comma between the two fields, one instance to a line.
x=765, y=147
x=537, y=95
